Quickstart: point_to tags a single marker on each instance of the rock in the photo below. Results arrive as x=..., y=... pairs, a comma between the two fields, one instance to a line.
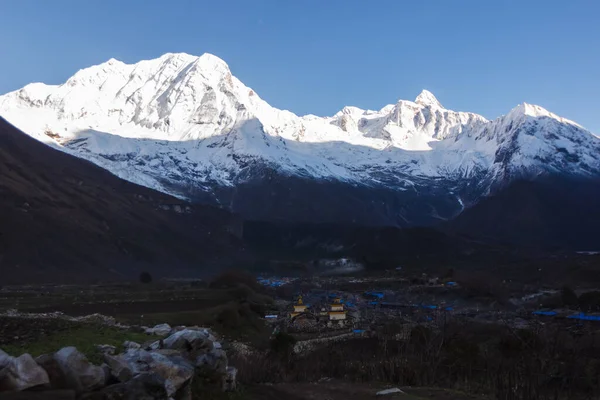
x=389, y=391
x=176, y=371
x=173, y=368
x=209, y=334
x=55, y=373
x=176, y=329
x=168, y=352
x=40, y=395
x=215, y=359
x=80, y=374
x=97, y=319
x=160, y=330
x=185, y=392
x=153, y=345
x=138, y=360
x=146, y=386
x=20, y=373
x=230, y=379
x=192, y=343
x=106, y=349
x=119, y=368
x=5, y=359
x=131, y=345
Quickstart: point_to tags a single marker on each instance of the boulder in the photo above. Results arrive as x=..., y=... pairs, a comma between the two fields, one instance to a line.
x=172, y=367
x=153, y=345
x=146, y=386
x=160, y=330
x=230, y=379
x=119, y=368
x=192, y=343
x=40, y=395
x=20, y=373
x=55, y=373
x=387, y=392
x=80, y=374
x=139, y=360
x=176, y=371
x=131, y=345
x=215, y=359
x=5, y=359
x=106, y=349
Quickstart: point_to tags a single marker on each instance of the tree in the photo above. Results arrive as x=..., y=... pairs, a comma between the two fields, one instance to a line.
x=145, y=277
x=283, y=344
x=569, y=298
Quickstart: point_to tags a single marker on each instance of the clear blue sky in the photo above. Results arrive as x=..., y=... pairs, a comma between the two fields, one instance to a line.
x=315, y=56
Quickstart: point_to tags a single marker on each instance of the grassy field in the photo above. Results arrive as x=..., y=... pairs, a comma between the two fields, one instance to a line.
x=84, y=337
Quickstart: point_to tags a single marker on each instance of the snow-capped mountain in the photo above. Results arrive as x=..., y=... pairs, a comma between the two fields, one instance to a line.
x=186, y=126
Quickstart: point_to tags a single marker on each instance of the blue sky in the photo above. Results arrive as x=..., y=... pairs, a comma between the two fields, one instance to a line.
x=315, y=56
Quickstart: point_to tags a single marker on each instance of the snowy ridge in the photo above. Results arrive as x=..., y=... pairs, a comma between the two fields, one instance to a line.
x=186, y=120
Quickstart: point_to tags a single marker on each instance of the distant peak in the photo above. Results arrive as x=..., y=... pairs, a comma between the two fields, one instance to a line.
x=427, y=99
x=532, y=110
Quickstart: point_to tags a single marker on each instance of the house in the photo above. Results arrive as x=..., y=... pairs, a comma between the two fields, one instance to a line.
x=299, y=308
x=337, y=312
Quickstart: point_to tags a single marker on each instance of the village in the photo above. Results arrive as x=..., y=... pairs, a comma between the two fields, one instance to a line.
x=347, y=307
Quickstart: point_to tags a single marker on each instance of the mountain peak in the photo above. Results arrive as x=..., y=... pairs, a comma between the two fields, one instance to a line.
x=535, y=111
x=427, y=99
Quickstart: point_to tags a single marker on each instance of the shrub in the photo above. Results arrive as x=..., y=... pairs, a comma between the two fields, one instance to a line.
x=569, y=298
x=590, y=301
x=283, y=344
x=145, y=277
x=231, y=279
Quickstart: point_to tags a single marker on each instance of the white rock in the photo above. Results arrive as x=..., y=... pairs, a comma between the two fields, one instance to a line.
x=131, y=345
x=174, y=369
x=81, y=375
x=160, y=330
x=21, y=373
x=119, y=367
x=390, y=391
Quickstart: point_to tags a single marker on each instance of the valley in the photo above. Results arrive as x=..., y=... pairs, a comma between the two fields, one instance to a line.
x=169, y=233
x=425, y=330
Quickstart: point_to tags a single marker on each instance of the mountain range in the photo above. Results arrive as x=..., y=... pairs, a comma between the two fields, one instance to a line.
x=185, y=126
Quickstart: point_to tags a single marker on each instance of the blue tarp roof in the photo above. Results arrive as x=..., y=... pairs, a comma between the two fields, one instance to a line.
x=585, y=317
x=358, y=331
x=451, y=283
x=375, y=294
x=547, y=313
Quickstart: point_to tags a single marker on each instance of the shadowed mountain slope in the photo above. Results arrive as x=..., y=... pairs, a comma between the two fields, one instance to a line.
x=63, y=219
